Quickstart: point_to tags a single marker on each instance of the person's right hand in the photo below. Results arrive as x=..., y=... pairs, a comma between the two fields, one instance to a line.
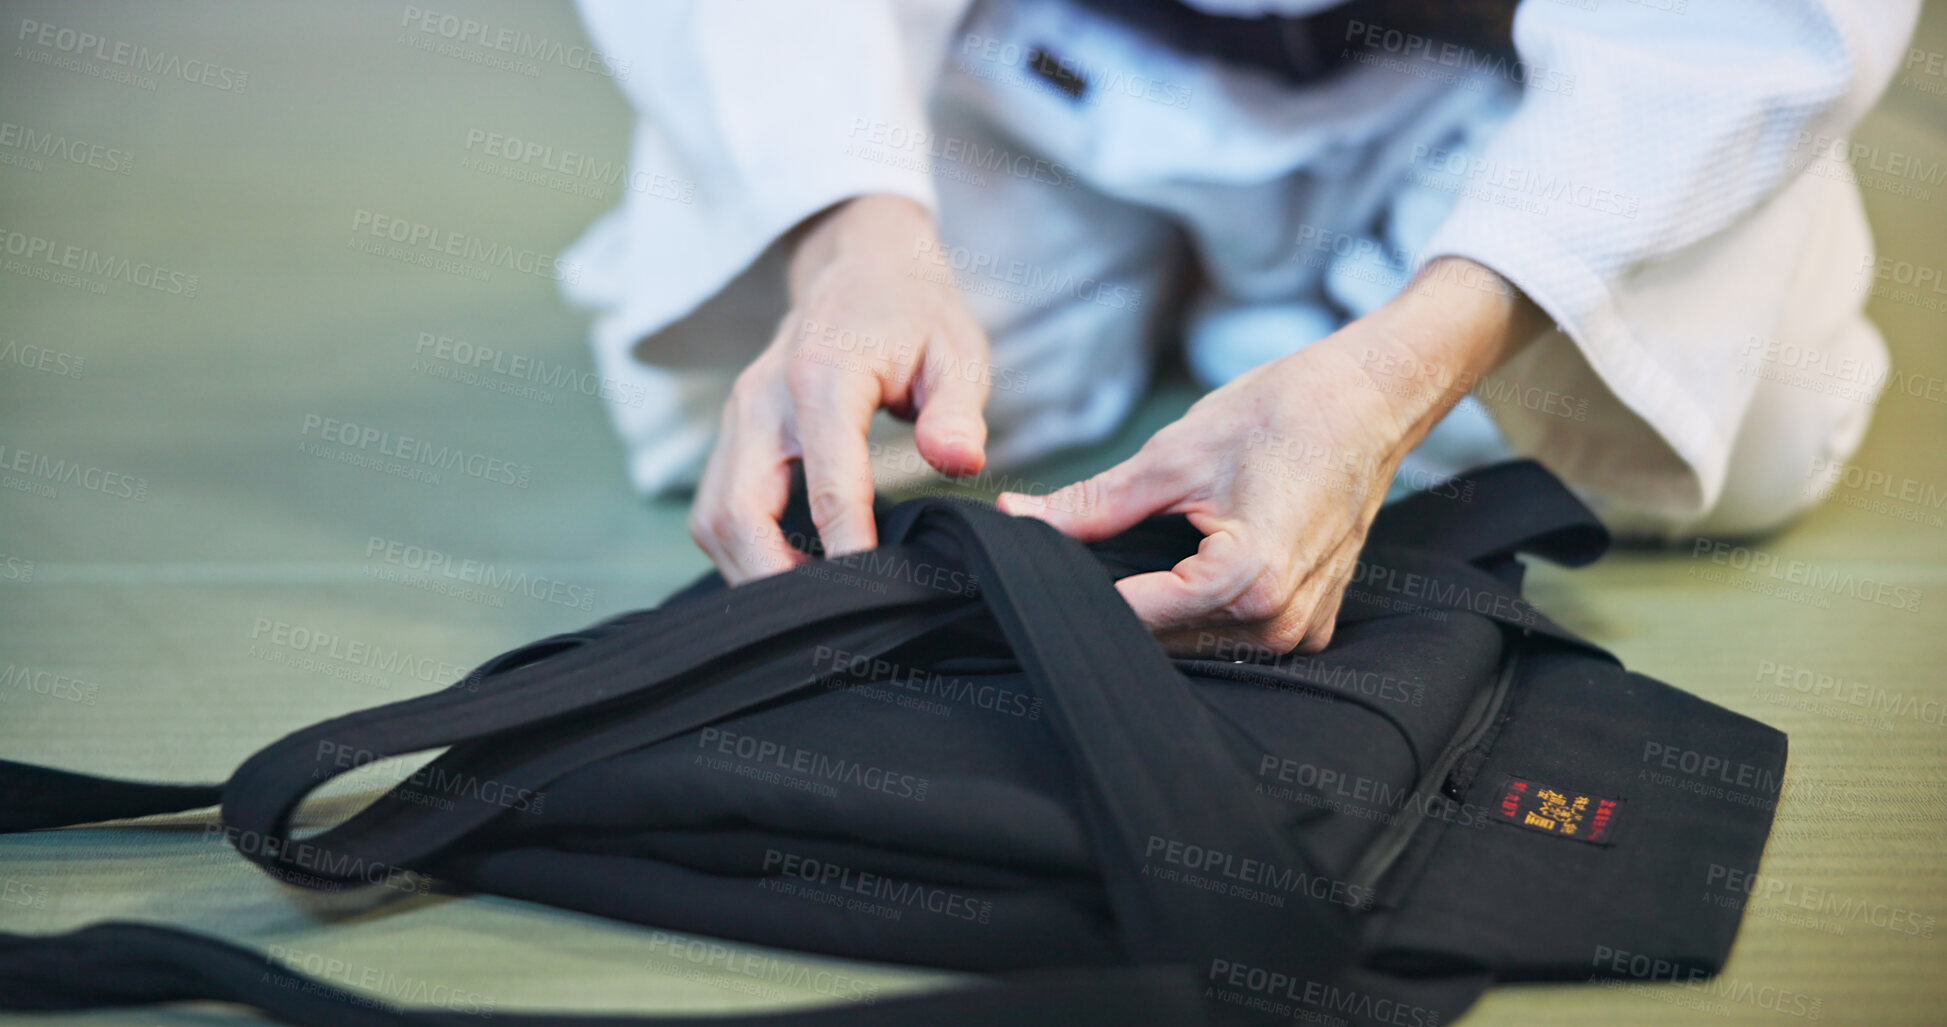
x=875, y=321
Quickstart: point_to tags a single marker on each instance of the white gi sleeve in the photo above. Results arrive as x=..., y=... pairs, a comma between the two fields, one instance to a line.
x=1643, y=129
x=746, y=110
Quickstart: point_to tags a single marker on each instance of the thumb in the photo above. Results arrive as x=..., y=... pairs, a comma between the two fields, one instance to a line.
x=1098, y=507
x=950, y=431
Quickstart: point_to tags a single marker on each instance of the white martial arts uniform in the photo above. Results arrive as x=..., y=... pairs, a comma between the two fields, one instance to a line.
x=1641, y=172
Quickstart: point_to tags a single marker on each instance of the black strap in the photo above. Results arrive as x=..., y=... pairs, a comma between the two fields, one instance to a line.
x=1389, y=580
x=1147, y=751
x=126, y=964
x=1484, y=516
x=33, y=797
x=395, y=832
x=596, y=671
x=1496, y=511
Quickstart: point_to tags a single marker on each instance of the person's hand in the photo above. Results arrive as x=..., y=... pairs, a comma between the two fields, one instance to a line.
x=875, y=322
x=1284, y=468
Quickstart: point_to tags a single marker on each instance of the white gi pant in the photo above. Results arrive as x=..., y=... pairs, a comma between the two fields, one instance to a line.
x=1077, y=229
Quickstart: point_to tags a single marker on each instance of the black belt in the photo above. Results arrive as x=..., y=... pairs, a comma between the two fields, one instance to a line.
x=1301, y=50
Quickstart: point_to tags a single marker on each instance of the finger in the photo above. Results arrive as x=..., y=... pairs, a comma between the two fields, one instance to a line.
x=1297, y=628
x=1324, y=621
x=1194, y=593
x=1256, y=643
x=1106, y=504
x=951, y=431
x=753, y=539
x=702, y=520
x=1325, y=612
x=738, y=504
x=832, y=414
x=1229, y=644
x=1196, y=645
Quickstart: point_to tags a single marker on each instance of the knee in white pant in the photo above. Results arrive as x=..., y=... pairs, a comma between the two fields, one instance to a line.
x=1781, y=465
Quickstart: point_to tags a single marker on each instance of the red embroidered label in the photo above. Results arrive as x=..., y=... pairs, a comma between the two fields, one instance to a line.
x=1558, y=811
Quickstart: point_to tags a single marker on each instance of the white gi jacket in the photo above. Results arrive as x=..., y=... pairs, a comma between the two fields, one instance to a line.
x=1641, y=172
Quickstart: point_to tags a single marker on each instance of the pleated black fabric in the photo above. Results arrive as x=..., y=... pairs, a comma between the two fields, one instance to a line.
x=962, y=750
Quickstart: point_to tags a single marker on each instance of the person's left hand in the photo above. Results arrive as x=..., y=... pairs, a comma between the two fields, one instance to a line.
x=1284, y=468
